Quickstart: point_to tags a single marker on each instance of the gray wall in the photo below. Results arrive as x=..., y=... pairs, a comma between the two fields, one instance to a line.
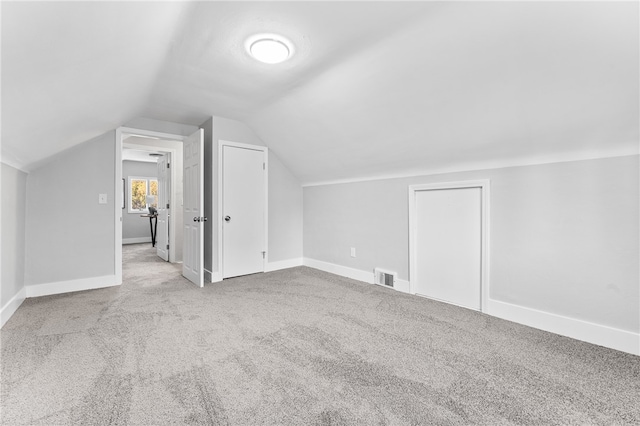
x=68, y=234
x=564, y=237
x=14, y=187
x=285, y=212
x=285, y=195
x=134, y=226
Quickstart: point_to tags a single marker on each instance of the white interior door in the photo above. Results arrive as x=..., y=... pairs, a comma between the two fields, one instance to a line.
x=193, y=208
x=244, y=209
x=164, y=189
x=449, y=245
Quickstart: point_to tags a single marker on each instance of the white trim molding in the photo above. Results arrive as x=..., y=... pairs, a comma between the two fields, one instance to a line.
x=12, y=306
x=81, y=284
x=118, y=206
x=484, y=185
x=132, y=131
x=403, y=286
x=614, y=338
x=602, y=335
x=136, y=240
x=147, y=180
x=212, y=277
x=283, y=264
x=355, y=274
x=343, y=271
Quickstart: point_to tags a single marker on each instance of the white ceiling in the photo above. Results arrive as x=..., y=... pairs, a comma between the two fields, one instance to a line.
x=130, y=154
x=375, y=88
x=139, y=148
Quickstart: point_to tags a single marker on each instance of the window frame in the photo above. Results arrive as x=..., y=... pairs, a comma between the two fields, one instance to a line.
x=147, y=180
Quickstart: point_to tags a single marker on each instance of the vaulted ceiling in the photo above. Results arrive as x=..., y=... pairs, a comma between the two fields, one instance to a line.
x=375, y=88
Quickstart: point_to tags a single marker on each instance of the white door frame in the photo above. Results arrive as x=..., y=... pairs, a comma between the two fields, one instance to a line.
x=265, y=150
x=484, y=185
x=118, y=221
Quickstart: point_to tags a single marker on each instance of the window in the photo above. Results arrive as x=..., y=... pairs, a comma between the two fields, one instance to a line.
x=139, y=188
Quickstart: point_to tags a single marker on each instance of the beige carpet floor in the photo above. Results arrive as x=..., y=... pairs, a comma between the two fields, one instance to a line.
x=294, y=347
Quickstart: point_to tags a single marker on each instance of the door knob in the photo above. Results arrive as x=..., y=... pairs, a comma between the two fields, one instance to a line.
x=196, y=219
x=227, y=218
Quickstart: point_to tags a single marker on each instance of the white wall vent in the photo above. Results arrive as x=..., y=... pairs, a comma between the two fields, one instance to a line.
x=385, y=278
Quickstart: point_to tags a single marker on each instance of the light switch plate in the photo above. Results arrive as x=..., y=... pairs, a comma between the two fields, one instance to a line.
x=102, y=198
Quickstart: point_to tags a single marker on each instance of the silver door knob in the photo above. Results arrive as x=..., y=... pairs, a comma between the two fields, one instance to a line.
x=227, y=218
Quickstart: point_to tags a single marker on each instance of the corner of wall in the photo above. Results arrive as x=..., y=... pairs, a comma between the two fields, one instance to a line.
x=13, y=193
x=12, y=306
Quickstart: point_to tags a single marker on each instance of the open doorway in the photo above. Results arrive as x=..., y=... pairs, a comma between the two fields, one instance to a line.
x=145, y=195
x=151, y=199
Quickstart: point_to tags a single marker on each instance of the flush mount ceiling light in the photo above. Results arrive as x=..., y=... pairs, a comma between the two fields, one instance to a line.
x=269, y=48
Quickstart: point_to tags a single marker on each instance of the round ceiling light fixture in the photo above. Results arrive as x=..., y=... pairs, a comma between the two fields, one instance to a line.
x=269, y=48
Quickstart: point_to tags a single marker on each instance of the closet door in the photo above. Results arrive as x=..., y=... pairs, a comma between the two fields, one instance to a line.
x=244, y=209
x=448, y=244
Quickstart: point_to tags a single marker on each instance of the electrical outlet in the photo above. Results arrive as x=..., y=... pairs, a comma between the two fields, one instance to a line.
x=102, y=198
x=353, y=252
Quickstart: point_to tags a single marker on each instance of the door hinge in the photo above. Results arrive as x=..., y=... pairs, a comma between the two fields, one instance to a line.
x=167, y=246
x=167, y=205
x=168, y=166
x=264, y=167
x=263, y=254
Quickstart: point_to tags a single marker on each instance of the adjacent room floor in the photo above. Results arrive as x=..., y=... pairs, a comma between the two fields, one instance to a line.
x=297, y=346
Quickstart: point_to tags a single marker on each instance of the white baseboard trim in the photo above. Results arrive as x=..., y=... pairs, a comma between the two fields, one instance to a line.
x=47, y=289
x=12, y=306
x=356, y=274
x=344, y=271
x=597, y=334
x=402, y=286
x=609, y=337
x=216, y=277
x=283, y=264
x=136, y=240
x=212, y=277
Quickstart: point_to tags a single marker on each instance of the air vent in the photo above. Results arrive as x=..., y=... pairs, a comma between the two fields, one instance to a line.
x=385, y=278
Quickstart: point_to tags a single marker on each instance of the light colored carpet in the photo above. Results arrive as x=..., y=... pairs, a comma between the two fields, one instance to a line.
x=297, y=346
